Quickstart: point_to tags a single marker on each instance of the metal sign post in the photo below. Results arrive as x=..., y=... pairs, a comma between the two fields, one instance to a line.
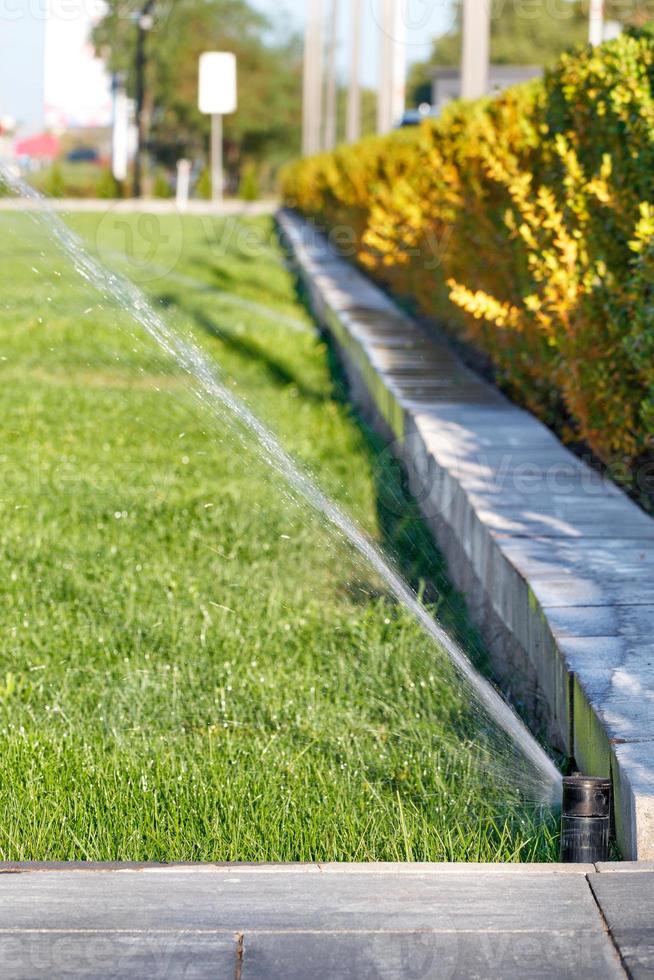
x=217, y=98
x=217, y=181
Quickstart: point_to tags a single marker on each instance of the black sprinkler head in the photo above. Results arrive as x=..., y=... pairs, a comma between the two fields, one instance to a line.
x=585, y=819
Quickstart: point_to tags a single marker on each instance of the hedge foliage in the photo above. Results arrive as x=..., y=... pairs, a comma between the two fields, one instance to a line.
x=525, y=223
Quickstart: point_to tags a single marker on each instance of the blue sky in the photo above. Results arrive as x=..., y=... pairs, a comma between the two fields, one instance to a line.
x=425, y=19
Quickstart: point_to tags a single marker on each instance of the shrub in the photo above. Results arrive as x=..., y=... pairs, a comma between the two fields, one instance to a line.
x=203, y=185
x=76, y=180
x=526, y=224
x=55, y=184
x=248, y=188
x=108, y=188
x=161, y=187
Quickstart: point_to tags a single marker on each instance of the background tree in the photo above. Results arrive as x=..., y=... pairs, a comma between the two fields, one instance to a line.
x=266, y=128
x=525, y=34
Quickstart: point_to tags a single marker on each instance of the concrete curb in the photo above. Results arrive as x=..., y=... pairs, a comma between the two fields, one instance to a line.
x=557, y=563
x=378, y=868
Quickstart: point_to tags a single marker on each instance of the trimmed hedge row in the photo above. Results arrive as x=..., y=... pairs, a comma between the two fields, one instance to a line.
x=526, y=224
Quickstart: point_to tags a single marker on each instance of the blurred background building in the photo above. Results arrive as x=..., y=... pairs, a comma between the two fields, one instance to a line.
x=50, y=77
x=446, y=82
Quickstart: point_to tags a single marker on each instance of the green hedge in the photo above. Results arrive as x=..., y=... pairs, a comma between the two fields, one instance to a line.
x=526, y=224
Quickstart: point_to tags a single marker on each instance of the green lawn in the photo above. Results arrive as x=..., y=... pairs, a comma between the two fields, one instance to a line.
x=193, y=667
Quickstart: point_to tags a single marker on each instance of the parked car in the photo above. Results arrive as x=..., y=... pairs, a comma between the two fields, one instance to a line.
x=83, y=154
x=413, y=117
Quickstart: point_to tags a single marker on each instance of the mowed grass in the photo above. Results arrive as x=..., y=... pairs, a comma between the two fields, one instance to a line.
x=192, y=666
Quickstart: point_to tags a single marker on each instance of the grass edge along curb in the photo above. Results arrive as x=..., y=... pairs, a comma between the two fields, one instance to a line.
x=189, y=670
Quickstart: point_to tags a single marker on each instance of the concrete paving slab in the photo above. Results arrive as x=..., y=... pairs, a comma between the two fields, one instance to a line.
x=304, y=921
x=624, y=663
x=622, y=721
x=624, y=867
x=604, y=726
x=529, y=480
x=575, y=516
x=607, y=557
x=444, y=425
x=233, y=903
x=126, y=901
x=567, y=590
x=559, y=464
x=627, y=903
x=429, y=956
x=628, y=621
x=391, y=956
x=116, y=956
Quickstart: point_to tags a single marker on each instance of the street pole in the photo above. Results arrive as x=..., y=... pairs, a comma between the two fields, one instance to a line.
x=313, y=79
x=385, y=68
x=596, y=22
x=183, y=184
x=217, y=182
x=144, y=24
x=119, y=128
x=475, y=66
x=331, y=97
x=353, y=128
x=392, y=72
x=307, y=80
x=399, y=63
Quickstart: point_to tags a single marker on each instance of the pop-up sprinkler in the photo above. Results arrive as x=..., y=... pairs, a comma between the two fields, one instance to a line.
x=585, y=819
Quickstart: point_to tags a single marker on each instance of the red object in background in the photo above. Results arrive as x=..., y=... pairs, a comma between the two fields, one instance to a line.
x=43, y=147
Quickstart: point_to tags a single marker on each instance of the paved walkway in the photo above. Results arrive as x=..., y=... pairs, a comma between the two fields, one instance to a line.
x=556, y=563
x=151, y=206
x=311, y=922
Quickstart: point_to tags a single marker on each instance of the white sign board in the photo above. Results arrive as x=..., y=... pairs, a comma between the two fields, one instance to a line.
x=217, y=83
